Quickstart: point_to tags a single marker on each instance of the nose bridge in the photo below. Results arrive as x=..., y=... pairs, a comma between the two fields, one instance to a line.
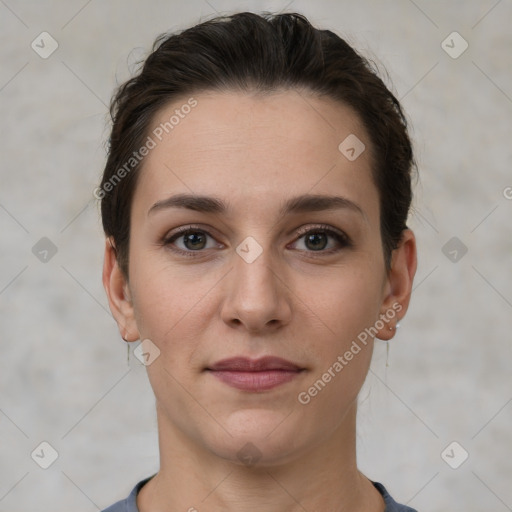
x=253, y=274
x=256, y=296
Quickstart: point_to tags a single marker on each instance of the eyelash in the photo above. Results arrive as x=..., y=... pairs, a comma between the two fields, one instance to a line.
x=343, y=240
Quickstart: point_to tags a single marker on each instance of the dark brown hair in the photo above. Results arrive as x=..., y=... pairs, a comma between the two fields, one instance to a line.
x=263, y=53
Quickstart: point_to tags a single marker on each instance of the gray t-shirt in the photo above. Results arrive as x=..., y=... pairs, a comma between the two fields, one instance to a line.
x=130, y=504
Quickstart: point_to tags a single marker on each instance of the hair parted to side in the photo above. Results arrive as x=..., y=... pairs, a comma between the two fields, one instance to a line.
x=257, y=53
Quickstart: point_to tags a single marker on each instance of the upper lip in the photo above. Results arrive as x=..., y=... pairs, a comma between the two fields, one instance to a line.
x=245, y=364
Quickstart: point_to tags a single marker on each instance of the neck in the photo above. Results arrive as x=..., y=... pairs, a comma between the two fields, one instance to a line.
x=193, y=479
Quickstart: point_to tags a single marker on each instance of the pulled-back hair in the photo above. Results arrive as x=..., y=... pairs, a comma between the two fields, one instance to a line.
x=261, y=53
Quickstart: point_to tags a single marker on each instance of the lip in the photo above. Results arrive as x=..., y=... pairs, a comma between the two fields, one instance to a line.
x=255, y=375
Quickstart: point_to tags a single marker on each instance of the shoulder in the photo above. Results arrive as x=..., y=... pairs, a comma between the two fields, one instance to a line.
x=129, y=504
x=391, y=504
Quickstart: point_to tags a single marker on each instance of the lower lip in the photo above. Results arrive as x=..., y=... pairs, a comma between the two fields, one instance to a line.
x=255, y=381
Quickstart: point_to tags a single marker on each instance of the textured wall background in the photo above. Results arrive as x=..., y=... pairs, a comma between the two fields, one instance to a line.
x=64, y=374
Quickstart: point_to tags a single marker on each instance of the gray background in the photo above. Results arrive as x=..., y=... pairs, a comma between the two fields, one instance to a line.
x=64, y=374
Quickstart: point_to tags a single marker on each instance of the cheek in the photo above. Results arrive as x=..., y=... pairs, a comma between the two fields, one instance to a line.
x=342, y=349
x=344, y=308
x=171, y=303
x=345, y=302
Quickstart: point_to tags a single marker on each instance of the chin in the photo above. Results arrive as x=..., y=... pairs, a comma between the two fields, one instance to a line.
x=260, y=438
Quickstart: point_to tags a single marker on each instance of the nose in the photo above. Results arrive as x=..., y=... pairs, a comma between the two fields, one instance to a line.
x=256, y=295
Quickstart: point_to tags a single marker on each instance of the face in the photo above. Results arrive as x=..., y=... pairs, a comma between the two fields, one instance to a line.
x=256, y=265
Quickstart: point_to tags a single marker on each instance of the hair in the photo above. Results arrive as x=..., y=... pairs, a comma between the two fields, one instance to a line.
x=256, y=53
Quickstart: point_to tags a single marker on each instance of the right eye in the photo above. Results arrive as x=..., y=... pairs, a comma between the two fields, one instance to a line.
x=188, y=240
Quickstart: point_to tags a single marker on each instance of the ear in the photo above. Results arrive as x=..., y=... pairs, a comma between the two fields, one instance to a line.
x=398, y=286
x=118, y=293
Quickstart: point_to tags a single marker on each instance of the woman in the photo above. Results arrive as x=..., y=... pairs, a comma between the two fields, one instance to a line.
x=254, y=203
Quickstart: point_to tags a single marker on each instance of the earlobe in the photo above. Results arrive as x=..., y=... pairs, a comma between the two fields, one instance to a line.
x=118, y=294
x=399, y=284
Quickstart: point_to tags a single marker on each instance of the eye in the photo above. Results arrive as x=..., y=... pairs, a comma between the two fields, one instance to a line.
x=189, y=239
x=317, y=240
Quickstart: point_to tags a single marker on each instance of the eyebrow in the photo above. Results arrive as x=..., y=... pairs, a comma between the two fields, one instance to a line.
x=301, y=204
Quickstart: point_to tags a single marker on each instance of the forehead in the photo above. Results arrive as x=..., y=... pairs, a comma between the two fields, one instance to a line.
x=257, y=149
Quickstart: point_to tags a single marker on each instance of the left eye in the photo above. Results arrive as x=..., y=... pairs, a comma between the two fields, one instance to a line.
x=318, y=240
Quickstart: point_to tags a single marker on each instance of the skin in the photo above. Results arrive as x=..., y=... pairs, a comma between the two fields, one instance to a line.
x=254, y=152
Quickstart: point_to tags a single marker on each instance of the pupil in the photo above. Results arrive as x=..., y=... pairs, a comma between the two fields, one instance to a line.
x=195, y=240
x=315, y=238
x=314, y=241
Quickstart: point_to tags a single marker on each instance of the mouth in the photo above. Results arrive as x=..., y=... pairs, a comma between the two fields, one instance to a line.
x=255, y=375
